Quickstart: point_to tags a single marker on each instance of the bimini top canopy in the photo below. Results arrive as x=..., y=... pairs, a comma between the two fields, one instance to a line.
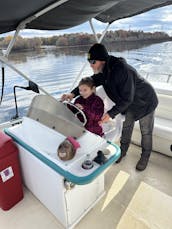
x=69, y=13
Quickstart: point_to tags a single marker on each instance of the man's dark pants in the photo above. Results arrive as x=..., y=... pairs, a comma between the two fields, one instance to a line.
x=146, y=127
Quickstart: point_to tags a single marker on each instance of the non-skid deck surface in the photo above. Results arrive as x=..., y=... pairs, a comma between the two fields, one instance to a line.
x=148, y=209
x=124, y=190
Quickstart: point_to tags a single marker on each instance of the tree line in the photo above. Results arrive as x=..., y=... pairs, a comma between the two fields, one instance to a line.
x=21, y=43
x=78, y=39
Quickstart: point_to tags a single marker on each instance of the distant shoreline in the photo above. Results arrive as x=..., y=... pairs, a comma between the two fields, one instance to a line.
x=141, y=41
x=118, y=45
x=120, y=37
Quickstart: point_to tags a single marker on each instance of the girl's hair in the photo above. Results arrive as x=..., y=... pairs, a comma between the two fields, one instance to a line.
x=87, y=81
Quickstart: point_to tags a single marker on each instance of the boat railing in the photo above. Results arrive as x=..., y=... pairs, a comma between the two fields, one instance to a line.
x=166, y=77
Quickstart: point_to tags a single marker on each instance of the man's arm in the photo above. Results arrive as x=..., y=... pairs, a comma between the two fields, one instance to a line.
x=75, y=91
x=126, y=90
x=98, y=79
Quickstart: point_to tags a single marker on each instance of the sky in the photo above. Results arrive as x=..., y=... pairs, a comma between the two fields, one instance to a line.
x=154, y=20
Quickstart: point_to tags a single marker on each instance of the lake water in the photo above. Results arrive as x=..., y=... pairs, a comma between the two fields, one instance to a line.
x=55, y=70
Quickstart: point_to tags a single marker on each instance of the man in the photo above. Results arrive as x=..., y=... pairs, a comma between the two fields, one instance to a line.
x=132, y=95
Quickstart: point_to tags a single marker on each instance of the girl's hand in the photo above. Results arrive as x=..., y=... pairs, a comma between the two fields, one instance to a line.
x=79, y=106
x=105, y=118
x=68, y=97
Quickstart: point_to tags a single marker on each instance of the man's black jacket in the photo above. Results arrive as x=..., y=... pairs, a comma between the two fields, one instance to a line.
x=126, y=88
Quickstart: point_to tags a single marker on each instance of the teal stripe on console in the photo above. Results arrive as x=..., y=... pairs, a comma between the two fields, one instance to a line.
x=69, y=176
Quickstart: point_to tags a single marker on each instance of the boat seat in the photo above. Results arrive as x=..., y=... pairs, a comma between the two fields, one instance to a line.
x=162, y=135
x=165, y=125
x=112, y=129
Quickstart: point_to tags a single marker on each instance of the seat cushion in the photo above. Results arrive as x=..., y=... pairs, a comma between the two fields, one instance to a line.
x=162, y=128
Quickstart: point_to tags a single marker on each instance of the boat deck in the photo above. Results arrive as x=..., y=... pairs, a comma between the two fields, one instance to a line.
x=128, y=202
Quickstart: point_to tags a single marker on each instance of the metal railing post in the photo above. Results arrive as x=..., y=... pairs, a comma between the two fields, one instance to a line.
x=6, y=62
x=98, y=41
x=168, y=79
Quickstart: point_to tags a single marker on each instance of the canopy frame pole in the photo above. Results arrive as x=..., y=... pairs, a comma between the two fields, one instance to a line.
x=104, y=33
x=93, y=30
x=78, y=76
x=98, y=41
x=5, y=61
x=11, y=44
x=23, y=23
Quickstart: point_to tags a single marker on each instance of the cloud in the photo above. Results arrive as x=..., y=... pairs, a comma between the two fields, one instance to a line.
x=167, y=18
x=157, y=19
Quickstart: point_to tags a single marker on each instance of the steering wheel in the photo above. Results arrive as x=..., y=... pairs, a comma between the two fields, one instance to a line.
x=79, y=111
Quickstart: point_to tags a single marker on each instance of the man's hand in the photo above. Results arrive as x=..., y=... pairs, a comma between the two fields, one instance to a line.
x=105, y=118
x=67, y=97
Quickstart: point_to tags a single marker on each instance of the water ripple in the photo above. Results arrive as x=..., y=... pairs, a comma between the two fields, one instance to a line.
x=56, y=70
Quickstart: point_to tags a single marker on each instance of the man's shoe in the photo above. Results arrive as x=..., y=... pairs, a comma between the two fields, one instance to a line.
x=120, y=158
x=142, y=163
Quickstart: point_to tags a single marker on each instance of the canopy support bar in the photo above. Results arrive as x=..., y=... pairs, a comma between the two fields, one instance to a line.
x=11, y=44
x=5, y=61
x=23, y=24
x=104, y=33
x=93, y=30
x=98, y=41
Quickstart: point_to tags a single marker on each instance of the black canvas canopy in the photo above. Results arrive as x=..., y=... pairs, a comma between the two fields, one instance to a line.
x=69, y=13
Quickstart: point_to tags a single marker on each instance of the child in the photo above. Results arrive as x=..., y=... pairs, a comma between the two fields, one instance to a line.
x=91, y=104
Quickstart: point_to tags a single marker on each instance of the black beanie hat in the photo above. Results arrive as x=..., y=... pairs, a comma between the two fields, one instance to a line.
x=98, y=52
